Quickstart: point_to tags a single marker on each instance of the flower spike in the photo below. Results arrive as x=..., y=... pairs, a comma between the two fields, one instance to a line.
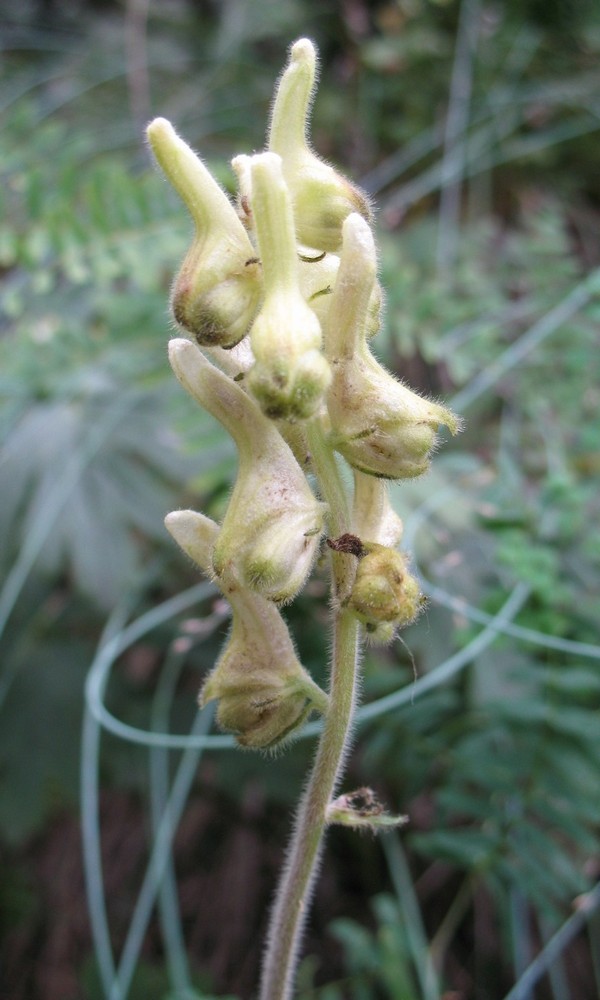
x=281, y=291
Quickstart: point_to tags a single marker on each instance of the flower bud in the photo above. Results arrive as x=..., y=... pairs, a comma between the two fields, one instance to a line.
x=291, y=375
x=379, y=425
x=322, y=197
x=384, y=591
x=263, y=691
x=270, y=534
x=217, y=291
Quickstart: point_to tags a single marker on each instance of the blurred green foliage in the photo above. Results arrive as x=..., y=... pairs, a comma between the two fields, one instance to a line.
x=497, y=769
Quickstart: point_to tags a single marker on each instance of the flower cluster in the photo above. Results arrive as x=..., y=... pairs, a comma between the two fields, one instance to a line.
x=277, y=300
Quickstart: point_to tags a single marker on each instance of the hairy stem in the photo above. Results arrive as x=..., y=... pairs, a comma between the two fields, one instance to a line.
x=334, y=493
x=325, y=467
x=297, y=879
x=293, y=896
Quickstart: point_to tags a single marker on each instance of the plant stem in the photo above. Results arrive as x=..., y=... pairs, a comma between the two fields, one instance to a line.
x=334, y=492
x=291, y=903
x=293, y=894
x=323, y=461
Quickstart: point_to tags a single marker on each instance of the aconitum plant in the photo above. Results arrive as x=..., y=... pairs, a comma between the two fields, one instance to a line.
x=277, y=301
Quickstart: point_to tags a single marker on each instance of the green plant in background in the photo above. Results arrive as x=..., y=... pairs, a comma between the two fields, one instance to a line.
x=87, y=241
x=295, y=386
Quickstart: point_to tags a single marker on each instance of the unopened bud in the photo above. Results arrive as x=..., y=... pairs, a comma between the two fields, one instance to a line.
x=291, y=375
x=384, y=591
x=380, y=426
x=217, y=291
x=322, y=197
x=270, y=534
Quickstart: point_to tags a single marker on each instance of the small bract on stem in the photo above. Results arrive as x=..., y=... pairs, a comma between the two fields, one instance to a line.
x=281, y=297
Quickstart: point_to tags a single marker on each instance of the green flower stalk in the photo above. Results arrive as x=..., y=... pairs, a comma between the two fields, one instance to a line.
x=217, y=291
x=282, y=293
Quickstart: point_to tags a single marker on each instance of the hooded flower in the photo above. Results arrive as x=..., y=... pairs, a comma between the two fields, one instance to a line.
x=217, y=291
x=291, y=375
x=380, y=426
x=322, y=197
x=263, y=692
x=270, y=533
